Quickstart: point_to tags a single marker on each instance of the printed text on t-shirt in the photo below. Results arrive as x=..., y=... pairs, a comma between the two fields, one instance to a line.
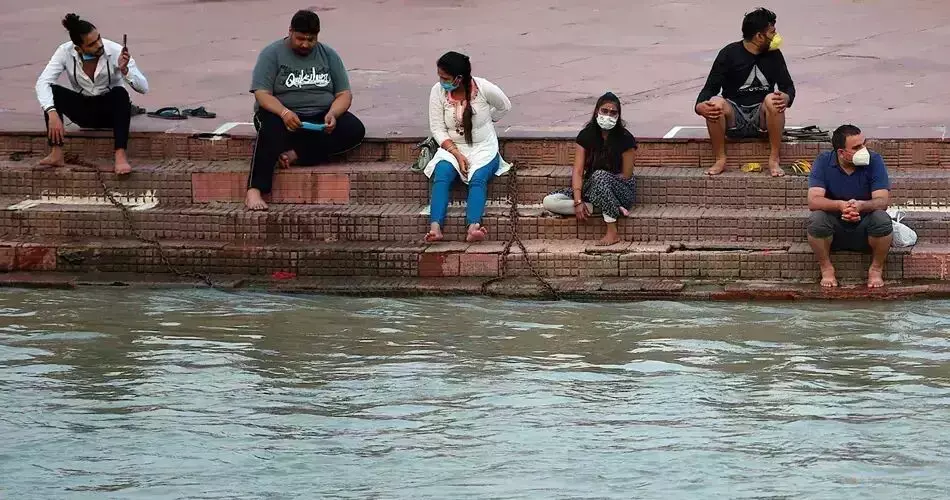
x=303, y=78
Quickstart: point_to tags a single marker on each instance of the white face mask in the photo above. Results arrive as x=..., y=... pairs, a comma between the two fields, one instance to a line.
x=606, y=122
x=861, y=158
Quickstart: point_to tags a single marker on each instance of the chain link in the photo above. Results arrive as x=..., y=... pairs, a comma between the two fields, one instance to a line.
x=514, y=238
x=130, y=223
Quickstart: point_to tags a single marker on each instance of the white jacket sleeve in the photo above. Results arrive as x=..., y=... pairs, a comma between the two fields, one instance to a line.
x=437, y=126
x=48, y=77
x=500, y=105
x=136, y=79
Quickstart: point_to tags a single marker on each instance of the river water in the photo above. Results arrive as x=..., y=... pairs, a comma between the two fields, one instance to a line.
x=110, y=393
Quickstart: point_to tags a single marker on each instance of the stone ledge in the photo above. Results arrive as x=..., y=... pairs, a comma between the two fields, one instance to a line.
x=603, y=289
x=573, y=259
x=898, y=153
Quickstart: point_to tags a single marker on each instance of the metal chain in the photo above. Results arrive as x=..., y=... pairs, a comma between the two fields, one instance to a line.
x=130, y=223
x=515, y=238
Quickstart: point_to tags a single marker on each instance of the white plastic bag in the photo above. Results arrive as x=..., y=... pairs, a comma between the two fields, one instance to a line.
x=903, y=235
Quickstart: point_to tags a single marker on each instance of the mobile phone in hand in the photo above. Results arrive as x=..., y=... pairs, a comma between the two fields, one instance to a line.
x=125, y=41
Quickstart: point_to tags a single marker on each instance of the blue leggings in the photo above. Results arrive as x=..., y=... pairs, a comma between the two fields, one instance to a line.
x=442, y=179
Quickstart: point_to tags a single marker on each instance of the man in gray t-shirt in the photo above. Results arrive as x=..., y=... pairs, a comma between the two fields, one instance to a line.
x=297, y=81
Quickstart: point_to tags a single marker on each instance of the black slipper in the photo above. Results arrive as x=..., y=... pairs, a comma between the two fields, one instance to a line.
x=169, y=113
x=137, y=110
x=200, y=112
x=809, y=133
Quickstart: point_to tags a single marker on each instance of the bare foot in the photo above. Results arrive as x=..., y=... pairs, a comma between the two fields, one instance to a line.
x=611, y=237
x=624, y=212
x=54, y=159
x=122, y=166
x=287, y=159
x=828, y=279
x=717, y=168
x=776, y=168
x=254, y=201
x=434, y=234
x=875, y=277
x=476, y=233
x=608, y=240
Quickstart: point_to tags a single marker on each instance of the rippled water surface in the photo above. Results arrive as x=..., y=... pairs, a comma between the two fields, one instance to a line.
x=204, y=394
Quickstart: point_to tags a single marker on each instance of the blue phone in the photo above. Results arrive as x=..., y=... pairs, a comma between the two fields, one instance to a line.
x=318, y=127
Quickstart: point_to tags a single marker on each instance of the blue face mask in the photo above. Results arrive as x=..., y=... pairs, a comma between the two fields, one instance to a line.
x=88, y=57
x=448, y=87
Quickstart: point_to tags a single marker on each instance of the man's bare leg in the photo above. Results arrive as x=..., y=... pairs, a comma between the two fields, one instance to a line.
x=122, y=166
x=879, y=248
x=717, y=135
x=55, y=158
x=775, y=121
x=254, y=200
x=822, y=249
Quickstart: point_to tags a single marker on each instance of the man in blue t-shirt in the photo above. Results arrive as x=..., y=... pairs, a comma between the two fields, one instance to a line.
x=848, y=193
x=298, y=80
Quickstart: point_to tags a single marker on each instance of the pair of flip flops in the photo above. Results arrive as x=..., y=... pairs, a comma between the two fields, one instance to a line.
x=809, y=133
x=172, y=113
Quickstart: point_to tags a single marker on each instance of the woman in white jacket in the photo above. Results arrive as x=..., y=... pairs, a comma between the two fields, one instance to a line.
x=97, y=72
x=462, y=112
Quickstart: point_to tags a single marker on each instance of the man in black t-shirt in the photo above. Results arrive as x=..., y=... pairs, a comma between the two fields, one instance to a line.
x=747, y=72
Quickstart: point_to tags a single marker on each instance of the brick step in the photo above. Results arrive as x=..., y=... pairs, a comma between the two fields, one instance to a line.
x=526, y=151
x=177, y=182
x=408, y=222
x=722, y=261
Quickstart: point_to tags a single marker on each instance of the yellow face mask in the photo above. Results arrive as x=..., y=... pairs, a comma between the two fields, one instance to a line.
x=776, y=42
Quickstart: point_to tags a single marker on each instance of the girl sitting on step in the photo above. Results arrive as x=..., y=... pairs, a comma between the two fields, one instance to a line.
x=462, y=109
x=603, y=170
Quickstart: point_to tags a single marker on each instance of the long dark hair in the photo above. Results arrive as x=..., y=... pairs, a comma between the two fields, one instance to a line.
x=77, y=28
x=604, y=148
x=459, y=65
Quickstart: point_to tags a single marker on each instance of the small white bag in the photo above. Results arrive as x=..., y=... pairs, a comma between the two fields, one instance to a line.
x=903, y=235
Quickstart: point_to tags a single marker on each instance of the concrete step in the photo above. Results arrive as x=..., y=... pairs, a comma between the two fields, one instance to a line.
x=717, y=261
x=179, y=182
x=526, y=150
x=408, y=222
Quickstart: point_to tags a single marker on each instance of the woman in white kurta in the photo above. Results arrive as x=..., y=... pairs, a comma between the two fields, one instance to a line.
x=462, y=112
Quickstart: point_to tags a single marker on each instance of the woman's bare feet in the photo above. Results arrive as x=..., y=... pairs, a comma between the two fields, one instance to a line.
x=55, y=158
x=254, y=201
x=434, y=234
x=122, y=166
x=828, y=279
x=287, y=158
x=476, y=233
x=611, y=237
x=624, y=212
x=875, y=277
x=775, y=168
x=717, y=168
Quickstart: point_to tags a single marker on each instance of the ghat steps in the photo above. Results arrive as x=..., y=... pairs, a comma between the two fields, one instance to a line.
x=363, y=217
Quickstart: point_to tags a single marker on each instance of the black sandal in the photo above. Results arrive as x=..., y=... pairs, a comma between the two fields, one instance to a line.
x=169, y=113
x=199, y=112
x=810, y=133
